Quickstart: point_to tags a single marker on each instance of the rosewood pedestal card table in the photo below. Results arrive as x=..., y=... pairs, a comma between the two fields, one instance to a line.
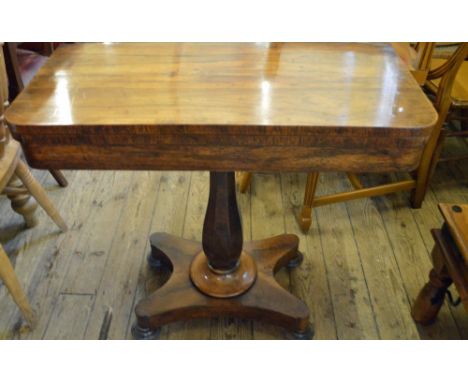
x=223, y=108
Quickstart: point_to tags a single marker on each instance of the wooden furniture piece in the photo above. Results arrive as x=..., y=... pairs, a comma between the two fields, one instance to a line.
x=458, y=97
x=419, y=177
x=8, y=276
x=22, y=65
x=221, y=108
x=444, y=49
x=450, y=261
x=416, y=57
x=12, y=171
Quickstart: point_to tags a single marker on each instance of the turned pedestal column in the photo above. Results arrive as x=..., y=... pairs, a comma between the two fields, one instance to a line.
x=222, y=275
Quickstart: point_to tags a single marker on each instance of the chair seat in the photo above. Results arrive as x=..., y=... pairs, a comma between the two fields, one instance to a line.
x=29, y=63
x=8, y=162
x=460, y=87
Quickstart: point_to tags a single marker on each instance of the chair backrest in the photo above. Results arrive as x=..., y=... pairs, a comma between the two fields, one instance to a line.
x=446, y=74
x=442, y=100
x=12, y=63
x=10, y=55
x=417, y=57
x=424, y=52
x=4, y=135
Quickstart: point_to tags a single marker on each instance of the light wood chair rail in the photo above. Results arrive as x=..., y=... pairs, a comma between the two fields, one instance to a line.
x=17, y=182
x=16, y=85
x=419, y=179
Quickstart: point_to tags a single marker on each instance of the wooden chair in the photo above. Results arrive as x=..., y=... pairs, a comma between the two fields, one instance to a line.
x=418, y=179
x=21, y=66
x=444, y=49
x=417, y=58
x=17, y=182
x=458, y=101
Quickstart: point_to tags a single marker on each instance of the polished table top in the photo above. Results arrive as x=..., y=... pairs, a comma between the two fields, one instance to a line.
x=355, y=100
x=223, y=107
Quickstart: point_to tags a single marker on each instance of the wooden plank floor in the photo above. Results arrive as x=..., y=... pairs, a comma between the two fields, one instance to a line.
x=365, y=260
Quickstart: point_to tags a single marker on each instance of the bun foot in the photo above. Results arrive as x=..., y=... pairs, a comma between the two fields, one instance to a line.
x=157, y=259
x=140, y=333
x=296, y=261
x=155, y=263
x=306, y=334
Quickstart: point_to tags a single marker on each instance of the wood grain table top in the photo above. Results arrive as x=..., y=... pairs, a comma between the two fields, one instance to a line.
x=278, y=84
x=248, y=95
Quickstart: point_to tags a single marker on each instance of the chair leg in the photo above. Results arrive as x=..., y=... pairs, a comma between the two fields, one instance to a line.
x=244, y=181
x=354, y=181
x=7, y=274
x=305, y=217
x=59, y=177
x=424, y=174
x=36, y=190
x=22, y=203
x=418, y=193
